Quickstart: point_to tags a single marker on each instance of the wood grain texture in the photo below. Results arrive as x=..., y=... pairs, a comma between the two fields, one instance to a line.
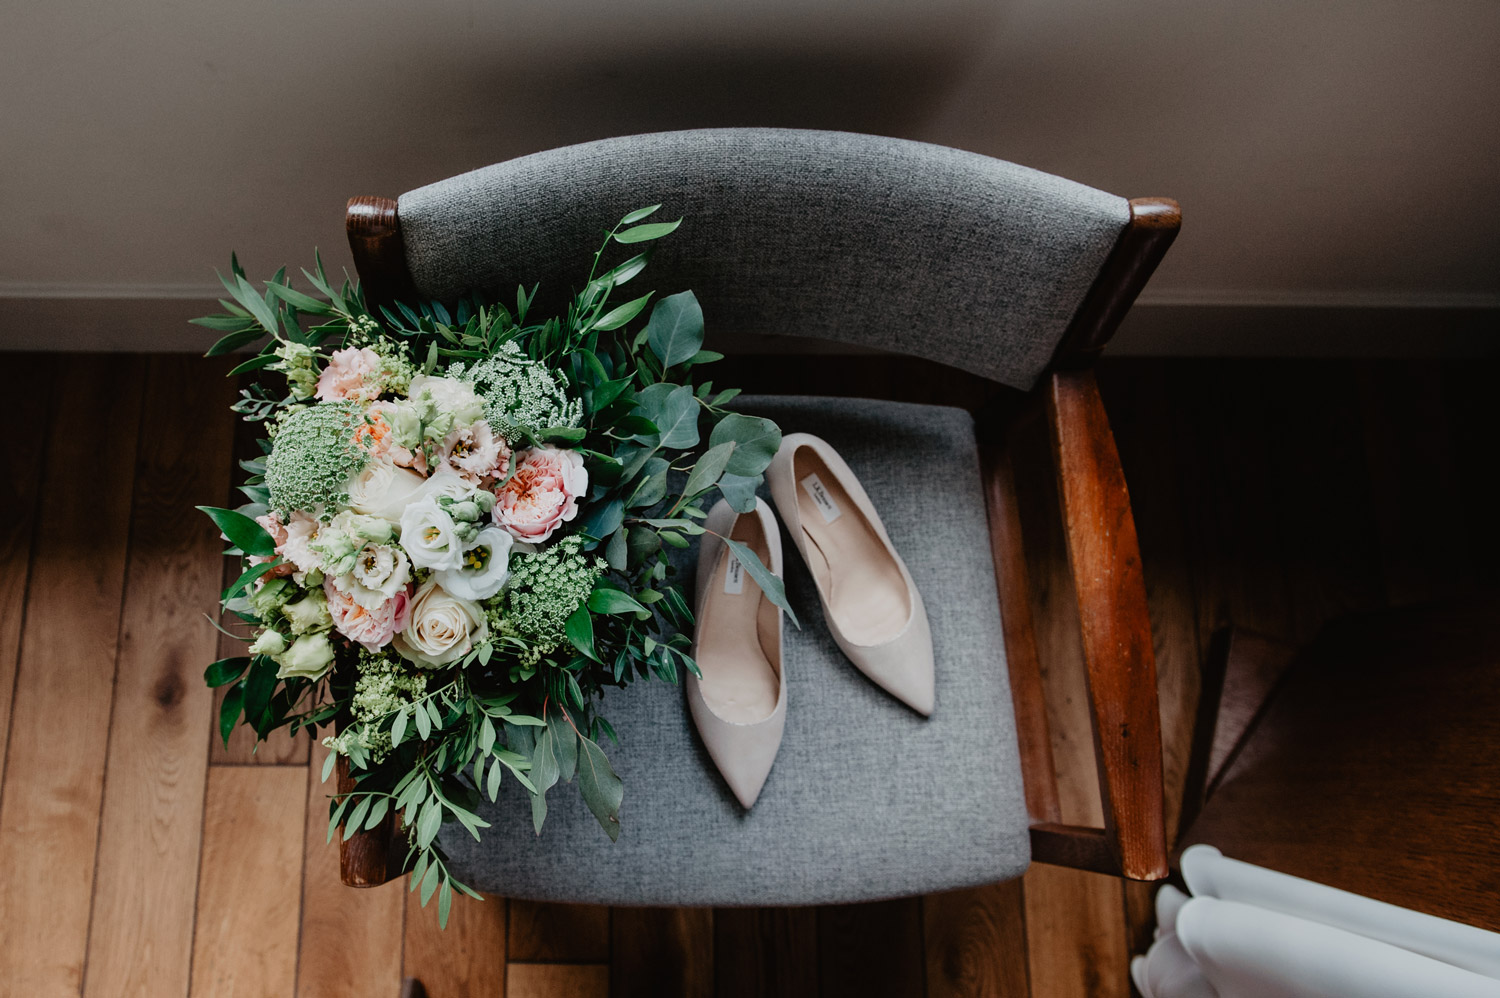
x=379, y=249
x=1139, y=402
x=141, y=935
x=1104, y=555
x=662, y=951
x=1383, y=732
x=1028, y=698
x=1153, y=225
x=350, y=945
x=20, y=491
x=573, y=933
x=976, y=943
x=558, y=980
x=1074, y=934
x=249, y=882
x=366, y=858
x=49, y=811
x=1058, y=635
x=280, y=748
x=465, y=960
x=765, y=951
x=871, y=950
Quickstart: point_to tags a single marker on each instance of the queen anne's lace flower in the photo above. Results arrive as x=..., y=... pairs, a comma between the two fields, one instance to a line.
x=519, y=393
x=315, y=458
x=545, y=588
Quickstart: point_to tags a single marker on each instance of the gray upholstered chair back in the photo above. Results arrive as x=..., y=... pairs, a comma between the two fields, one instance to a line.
x=886, y=243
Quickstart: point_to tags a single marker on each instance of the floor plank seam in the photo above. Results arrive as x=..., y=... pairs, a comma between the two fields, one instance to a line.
x=114, y=688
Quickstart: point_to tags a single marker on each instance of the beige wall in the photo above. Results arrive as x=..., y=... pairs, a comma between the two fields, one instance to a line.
x=1325, y=153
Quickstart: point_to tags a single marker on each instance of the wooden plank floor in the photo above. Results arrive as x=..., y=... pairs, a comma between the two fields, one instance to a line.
x=138, y=856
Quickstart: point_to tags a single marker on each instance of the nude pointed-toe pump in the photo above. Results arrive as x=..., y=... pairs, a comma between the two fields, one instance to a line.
x=870, y=603
x=739, y=706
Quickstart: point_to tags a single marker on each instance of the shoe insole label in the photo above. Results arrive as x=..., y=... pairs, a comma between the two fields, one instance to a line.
x=821, y=499
x=734, y=575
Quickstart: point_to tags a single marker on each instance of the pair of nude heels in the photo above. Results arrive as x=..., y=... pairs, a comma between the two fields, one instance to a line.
x=870, y=604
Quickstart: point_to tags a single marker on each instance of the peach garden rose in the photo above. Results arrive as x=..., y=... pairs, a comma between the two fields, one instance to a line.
x=542, y=495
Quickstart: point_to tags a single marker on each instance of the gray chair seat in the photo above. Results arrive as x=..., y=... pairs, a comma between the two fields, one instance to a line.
x=867, y=799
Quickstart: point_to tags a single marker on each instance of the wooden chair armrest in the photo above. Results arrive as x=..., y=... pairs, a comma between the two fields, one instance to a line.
x=1105, y=559
x=366, y=858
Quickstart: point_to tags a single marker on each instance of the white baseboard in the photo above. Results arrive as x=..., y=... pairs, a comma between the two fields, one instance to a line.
x=1460, y=326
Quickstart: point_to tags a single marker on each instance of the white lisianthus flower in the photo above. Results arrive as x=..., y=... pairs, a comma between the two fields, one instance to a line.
x=384, y=489
x=443, y=403
x=309, y=657
x=380, y=571
x=442, y=628
x=430, y=536
x=485, y=567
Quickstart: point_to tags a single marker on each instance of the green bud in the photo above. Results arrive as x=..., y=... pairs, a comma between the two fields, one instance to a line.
x=484, y=500
x=467, y=511
x=309, y=657
x=270, y=642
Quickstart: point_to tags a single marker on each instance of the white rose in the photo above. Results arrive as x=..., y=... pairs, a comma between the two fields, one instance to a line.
x=484, y=569
x=442, y=628
x=384, y=490
x=429, y=536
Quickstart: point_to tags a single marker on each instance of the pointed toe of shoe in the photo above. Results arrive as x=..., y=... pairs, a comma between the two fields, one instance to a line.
x=904, y=670
x=742, y=753
x=745, y=782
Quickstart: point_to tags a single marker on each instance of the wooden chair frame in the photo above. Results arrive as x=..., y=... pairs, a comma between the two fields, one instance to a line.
x=1103, y=555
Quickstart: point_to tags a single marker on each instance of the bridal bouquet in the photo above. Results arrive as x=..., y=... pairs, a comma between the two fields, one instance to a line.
x=455, y=537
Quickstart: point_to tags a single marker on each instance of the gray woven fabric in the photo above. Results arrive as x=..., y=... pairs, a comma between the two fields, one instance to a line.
x=891, y=244
x=867, y=799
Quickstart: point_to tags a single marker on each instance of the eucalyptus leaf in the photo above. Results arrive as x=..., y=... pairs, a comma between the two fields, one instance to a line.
x=603, y=519
x=674, y=411
x=756, y=442
x=769, y=584
x=739, y=491
x=709, y=467
x=616, y=552
x=675, y=330
x=601, y=788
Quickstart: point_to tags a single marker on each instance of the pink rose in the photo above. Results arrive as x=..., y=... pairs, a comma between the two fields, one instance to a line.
x=371, y=628
x=542, y=495
x=475, y=452
x=347, y=374
x=272, y=522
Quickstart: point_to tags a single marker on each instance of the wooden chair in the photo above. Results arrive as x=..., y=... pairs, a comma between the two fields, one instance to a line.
x=1095, y=505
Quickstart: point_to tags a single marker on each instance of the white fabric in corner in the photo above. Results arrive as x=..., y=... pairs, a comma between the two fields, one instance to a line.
x=1249, y=932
